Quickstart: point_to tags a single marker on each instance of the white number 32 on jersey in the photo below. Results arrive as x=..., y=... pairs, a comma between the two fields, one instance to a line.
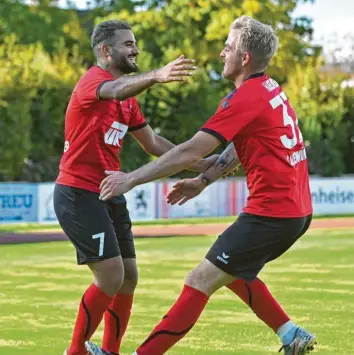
x=289, y=143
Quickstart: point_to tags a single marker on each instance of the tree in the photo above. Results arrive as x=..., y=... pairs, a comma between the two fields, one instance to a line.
x=198, y=29
x=319, y=102
x=35, y=89
x=348, y=119
x=43, y=23
x=56, y=50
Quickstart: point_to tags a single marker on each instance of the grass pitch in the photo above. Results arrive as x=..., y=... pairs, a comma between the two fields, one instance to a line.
x=39, y=227
x=40, y=287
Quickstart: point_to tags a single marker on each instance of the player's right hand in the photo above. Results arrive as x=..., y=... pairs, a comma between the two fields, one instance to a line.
x=184, y=190
x=115, y=184
x=178, y=70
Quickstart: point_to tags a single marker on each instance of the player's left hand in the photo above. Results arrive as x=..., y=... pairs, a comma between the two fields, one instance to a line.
x=204, y=163
x=115, y=184
x=185, y=190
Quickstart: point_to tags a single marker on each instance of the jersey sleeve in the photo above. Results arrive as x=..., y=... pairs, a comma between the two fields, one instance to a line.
x=232, y=117
x=88, y=90
x=138, y=120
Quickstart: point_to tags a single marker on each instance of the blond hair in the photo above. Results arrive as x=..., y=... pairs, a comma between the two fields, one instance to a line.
x=256, y=38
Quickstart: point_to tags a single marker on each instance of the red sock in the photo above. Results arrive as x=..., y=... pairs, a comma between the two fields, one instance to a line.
x=177, y=323
x=116, y=320
x=93, y=304
x=256, y=295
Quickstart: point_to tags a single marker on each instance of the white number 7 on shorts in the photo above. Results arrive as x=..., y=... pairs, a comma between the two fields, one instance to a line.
x=101, y=237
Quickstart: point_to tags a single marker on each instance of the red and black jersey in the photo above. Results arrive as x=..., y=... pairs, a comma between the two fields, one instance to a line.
x=263, y=127
x=94, y=132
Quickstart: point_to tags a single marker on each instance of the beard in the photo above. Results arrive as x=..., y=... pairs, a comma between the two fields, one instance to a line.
x=126, y=66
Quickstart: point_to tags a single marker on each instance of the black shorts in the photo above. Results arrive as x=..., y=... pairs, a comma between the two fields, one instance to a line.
x=252, y=241
x=98, y=229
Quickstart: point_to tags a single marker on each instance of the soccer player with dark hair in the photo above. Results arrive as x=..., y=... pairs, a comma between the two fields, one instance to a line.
x=102, y=109
x=262, y=127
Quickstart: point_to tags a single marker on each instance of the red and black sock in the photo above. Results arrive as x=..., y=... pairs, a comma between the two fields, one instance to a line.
x=179, y=320
x=116, y=320
x=256, y=295
x=93, y=304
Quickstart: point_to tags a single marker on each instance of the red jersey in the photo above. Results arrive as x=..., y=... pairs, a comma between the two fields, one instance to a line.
x=94, y=132
x=263, y=127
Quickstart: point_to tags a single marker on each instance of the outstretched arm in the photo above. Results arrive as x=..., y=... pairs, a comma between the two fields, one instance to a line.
x=131, y=85
x=225, y=164
x=175, y=160
x=187, y=189
x=157, y=145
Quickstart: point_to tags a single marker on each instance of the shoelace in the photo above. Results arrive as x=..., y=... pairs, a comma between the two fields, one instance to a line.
x=283, y=347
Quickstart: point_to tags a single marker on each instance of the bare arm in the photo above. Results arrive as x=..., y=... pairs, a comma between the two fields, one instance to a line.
x=151, y=142
x=226, y=163
x=157, y=145
x=185, y=190
x=131, y=85
x=127, y=86
x=174, y=161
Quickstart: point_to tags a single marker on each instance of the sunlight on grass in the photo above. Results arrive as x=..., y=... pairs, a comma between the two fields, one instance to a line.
x=41, y=285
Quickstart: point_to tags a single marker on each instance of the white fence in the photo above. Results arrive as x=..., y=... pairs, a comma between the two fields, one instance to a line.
x=24, y=202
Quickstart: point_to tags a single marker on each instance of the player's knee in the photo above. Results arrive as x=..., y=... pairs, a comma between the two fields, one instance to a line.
x=111, y=282
x=109, y=275
x=117, y=279
x=208, y=278
x=131, y=278
x=130, y=281
x=198, y=279
x=130, y=275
